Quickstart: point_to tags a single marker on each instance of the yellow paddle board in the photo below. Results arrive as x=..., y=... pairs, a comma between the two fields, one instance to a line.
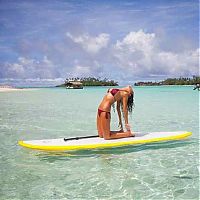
x=95, y=142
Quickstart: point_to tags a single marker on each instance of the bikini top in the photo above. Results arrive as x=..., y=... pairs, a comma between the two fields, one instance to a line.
x=114, y=91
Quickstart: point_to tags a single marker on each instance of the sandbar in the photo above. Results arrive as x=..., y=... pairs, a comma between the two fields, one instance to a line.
x=2, y=89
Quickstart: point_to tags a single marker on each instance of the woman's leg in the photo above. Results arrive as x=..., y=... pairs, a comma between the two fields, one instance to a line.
x=99, y=129
x=105, y=128
x=105, y=125
x=107, y=134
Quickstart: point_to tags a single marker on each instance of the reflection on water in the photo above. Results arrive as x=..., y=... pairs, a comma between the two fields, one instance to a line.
x=79, y=154
x=184, y=177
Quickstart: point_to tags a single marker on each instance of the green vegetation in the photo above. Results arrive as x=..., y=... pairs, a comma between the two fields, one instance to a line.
x=172, y=81
x=91, y=81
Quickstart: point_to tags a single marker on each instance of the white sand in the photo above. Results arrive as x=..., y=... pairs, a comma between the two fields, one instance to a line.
x=13, y=89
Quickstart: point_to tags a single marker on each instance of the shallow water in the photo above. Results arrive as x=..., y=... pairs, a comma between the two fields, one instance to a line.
x=155, y=171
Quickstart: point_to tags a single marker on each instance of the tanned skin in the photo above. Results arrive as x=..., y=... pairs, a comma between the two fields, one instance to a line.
x=103, y=121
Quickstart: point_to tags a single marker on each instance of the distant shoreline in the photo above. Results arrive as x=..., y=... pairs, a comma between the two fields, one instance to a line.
x=163, y=85
x=171, y=81
x=88, y=81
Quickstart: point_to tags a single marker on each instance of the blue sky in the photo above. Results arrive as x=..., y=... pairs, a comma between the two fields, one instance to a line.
x=50, y=40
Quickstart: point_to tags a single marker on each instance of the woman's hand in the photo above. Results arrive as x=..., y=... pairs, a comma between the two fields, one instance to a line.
x=128, y=127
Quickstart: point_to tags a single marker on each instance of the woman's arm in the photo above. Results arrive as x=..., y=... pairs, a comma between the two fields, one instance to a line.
x=119, y=115
x=125, y=111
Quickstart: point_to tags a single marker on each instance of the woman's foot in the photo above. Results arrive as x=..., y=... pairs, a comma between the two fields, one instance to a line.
x=100, y=135
x=131, y=134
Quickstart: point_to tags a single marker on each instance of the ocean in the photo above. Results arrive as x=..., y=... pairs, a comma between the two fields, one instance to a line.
x=168, y=170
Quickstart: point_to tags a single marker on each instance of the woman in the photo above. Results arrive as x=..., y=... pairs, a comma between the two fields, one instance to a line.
x=123, y=97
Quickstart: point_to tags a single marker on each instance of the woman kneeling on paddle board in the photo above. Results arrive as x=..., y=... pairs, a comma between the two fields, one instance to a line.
x=124, y=97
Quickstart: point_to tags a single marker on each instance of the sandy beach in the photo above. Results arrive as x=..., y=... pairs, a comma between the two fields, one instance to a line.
x=2, y=89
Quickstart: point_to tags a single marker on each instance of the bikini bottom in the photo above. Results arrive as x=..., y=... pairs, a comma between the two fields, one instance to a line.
x=107, y=113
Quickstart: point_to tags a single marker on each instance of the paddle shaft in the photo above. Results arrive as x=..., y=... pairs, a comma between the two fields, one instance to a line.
x=78, y=138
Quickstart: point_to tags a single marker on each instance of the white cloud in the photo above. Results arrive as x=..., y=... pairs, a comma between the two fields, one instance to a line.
x=91, y=44
x=30, y=68
x=84, y=70
x=137, y=41
x=79, y=70
x=18, y=68
x=139, y=54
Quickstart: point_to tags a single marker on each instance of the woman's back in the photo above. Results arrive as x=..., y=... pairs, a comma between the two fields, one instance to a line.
x=107, y=101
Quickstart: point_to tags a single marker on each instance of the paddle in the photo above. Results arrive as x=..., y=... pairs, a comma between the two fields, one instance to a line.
x=78, y=138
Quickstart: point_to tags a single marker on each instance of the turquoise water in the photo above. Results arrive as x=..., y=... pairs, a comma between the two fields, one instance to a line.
x=155, y=171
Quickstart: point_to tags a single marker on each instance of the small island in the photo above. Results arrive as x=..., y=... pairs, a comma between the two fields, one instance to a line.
x=171, y=81
x=78, y=83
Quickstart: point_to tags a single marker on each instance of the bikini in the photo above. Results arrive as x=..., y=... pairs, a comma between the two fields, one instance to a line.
x=100, y=111
x=113, y=92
